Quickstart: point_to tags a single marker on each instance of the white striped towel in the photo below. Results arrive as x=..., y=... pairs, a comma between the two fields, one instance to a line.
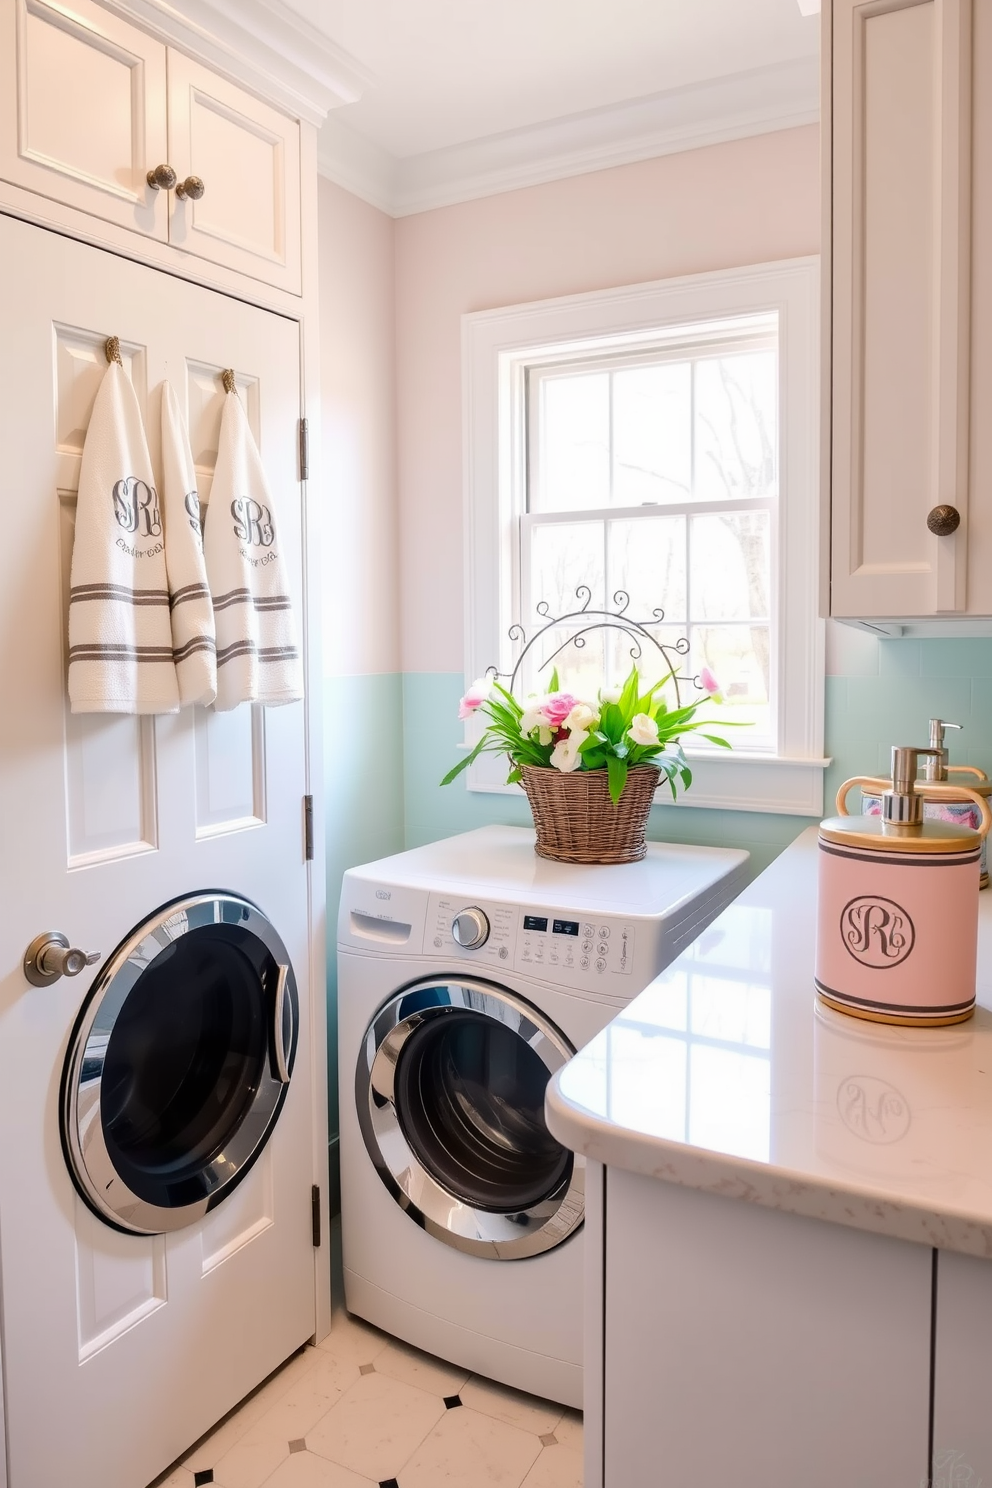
x=120, y=638
x=258, y=660
x=193, y=644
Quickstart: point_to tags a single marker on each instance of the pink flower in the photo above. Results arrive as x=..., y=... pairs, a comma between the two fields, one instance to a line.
x=709, y=684
x=556, y=707
x=475, y=697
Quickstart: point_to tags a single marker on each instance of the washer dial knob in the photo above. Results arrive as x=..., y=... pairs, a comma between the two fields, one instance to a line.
x=470, y=928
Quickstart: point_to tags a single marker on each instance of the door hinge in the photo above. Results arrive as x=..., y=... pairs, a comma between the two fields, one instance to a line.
x=315, y=1215
x=308, y=828
x=304, y=451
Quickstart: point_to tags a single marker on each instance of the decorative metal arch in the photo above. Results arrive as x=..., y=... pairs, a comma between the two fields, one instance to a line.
x=638, y=632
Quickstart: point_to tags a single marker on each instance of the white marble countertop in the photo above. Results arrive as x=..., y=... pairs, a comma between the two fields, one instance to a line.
x=726, y=1075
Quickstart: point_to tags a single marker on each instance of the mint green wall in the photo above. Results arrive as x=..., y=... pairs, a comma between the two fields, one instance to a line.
x=364, y=810
x=378, y=802
x=882, y=693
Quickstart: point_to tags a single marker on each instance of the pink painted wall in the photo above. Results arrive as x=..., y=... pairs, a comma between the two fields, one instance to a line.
x=358, y=464
x=748, y=201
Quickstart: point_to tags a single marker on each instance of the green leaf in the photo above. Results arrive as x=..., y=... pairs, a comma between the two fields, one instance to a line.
x=612, y=723
x=554, y=685
x=628, y=698
x=714, y=739
x=617, y=770
x=515, y=775
x=463, y=764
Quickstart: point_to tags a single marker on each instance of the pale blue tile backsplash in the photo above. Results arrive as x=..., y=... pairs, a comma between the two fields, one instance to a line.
x=382, y=797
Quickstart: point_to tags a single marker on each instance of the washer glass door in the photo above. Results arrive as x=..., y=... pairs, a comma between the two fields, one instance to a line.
x=179, y=1063
x=450, y=1091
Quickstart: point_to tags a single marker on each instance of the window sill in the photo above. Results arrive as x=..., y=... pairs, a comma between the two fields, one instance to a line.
x=784, y=785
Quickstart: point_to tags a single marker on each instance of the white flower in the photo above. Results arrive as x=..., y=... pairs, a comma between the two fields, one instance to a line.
x=565, y=756
x=610, y=694
x=582, y=716
x=643, y=730
x=533, y=716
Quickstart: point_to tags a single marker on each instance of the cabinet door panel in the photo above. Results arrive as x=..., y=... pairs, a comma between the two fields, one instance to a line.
x=248, y=157
x=901, y=252
x=751, y=1348
x=962, y=1395
x=83, y=110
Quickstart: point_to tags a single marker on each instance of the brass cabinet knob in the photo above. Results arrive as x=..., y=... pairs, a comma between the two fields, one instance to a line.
x=944, y=520
x=162, y=178
x=192, y=187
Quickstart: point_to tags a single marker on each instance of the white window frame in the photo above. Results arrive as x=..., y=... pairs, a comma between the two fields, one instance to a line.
x=497, y=348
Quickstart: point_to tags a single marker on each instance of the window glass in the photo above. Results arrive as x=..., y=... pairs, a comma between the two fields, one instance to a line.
x=633, y=437
x=574, y=442
x=735, y=426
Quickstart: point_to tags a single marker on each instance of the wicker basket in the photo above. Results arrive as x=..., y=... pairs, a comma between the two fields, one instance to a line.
x=577, y=821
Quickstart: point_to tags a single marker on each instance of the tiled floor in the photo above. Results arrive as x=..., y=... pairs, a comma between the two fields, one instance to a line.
x=362, y=1410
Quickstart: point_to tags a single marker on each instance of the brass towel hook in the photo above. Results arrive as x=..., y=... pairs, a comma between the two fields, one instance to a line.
x=227, y=378
x=112, y=350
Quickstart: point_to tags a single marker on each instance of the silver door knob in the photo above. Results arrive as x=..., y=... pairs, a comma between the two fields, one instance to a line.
x=50, y=956
x=470, y=928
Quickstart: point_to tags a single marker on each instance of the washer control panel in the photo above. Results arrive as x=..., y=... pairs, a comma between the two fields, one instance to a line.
x=472, y=932
x=558, y=945
x=591, y=948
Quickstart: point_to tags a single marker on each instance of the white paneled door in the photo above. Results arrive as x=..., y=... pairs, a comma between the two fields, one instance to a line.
x=120, y=1349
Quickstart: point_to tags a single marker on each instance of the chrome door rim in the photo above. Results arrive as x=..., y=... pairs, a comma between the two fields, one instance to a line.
x=83, y=1141
x=428, y=1203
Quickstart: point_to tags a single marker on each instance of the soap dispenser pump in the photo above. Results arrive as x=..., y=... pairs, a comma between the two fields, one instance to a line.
x=943, y=806
x=897, y=916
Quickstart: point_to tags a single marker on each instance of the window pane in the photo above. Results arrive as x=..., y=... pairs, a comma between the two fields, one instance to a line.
x=739, y=656
x=563, y=556
x=736, y=426
x=580, y=666
x=652, y=434
x=574, y=467
x=652, y=664
x=646, y=559
x=730, y=566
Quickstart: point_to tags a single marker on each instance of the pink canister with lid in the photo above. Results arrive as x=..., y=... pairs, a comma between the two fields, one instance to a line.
x=897, y=925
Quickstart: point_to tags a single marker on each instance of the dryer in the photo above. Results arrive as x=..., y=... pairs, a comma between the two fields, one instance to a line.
x=469, y=971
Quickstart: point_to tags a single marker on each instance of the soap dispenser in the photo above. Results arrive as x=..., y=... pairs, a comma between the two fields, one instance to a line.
x=941, y=807
x=897, y=916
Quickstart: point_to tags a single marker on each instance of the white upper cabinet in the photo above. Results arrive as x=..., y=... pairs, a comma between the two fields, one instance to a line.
x=90, y=104
x=247, y=155
x=899, y=134
x=83, y=100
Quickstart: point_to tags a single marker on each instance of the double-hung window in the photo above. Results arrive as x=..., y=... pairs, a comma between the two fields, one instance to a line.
x=653, y=450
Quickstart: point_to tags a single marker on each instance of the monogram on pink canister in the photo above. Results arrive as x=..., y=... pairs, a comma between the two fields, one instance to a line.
x=897, y=925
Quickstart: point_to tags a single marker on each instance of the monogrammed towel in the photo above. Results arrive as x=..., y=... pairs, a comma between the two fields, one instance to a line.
x=258, y=660
x=120, y=638
x=193, y=646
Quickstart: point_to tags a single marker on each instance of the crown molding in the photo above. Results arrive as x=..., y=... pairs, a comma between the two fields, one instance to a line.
x=261, y=44
x=781, y=96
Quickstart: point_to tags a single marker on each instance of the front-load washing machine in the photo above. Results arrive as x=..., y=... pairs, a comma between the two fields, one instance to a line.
x=469, y=971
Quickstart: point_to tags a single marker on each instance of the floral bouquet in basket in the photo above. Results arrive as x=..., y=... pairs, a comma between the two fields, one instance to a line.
x=618, y=731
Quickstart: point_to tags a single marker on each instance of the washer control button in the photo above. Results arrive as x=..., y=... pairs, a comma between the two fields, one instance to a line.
x=600, y=965
x=604, y=932
x=470, y=928
x=603, y=949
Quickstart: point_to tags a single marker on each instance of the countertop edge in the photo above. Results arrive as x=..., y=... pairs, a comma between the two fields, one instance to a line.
x=753, y=1183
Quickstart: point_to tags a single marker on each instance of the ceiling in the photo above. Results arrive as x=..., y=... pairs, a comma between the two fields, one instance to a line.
x=452, y=86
